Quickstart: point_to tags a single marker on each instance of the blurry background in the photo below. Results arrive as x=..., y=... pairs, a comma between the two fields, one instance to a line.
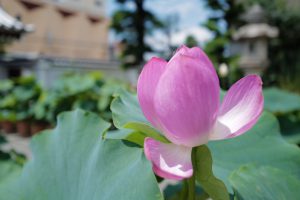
x=58, y=55
x=48, y=37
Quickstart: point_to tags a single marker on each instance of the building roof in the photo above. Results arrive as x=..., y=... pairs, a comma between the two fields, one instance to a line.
x=9, y=26
x=258, y=30
x=256, y=26
x=255, y=14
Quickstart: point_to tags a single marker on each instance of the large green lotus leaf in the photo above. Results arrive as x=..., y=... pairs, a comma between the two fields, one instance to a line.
x=72, y=162
x=126, y=110
x=126, y=134
x=69, y=84
x=273, y=183
x=280, y=101
x=6, y=85
x=290, y=127
x=127, y=114
x=262, y=145
x=9, y=170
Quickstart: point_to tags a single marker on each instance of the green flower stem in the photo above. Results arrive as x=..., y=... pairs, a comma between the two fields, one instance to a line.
x=191, y=191
x=203, y=173
x=184, y=191
x=192, y=181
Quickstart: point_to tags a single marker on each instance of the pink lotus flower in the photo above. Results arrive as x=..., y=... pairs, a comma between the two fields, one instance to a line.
x=181, y=99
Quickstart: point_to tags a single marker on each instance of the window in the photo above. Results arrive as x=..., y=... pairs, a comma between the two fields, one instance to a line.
x=31, y=5
x=13, y=72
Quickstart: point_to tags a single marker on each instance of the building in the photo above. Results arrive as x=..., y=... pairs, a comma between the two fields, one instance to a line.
x=68, y=35
x=63, y=28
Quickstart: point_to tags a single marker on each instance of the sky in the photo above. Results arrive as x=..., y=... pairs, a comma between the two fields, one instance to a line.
x=191, y=14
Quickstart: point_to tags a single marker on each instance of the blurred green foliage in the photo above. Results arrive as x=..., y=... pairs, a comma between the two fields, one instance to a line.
x=18, y=96
x=10, y=161
x=24, y=99
x=131, y=26
x=191, y=41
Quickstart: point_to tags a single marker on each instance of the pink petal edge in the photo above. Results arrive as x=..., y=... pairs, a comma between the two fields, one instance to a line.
x=169, y=161
x=241, y=108
x=146, y=86
x=194, y=52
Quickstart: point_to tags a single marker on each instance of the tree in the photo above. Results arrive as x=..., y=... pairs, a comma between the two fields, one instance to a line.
x=132, y=26
x=224, y=18
x=191, y=41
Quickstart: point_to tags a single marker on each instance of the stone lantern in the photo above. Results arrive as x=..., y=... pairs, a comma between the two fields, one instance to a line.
x=251, y=41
